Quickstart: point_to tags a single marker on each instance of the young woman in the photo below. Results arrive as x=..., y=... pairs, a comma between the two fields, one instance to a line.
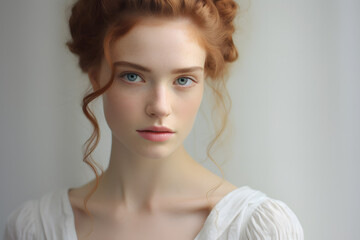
x=150, y=60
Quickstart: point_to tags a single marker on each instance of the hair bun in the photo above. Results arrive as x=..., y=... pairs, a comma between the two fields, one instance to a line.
x=227, y=10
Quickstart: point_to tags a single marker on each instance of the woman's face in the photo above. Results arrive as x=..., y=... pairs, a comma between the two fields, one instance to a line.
x=159, y=82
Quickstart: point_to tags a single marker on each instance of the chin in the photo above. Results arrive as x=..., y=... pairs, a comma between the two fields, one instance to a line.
x=156, y=152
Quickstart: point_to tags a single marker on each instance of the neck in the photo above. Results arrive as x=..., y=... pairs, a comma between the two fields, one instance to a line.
x=137, y=181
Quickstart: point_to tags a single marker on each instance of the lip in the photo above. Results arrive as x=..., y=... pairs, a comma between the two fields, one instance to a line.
x=156, y=133
x=156, y=129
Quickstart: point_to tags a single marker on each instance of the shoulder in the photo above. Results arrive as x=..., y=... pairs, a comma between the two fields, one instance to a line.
x=273, y=219
x=265, y=218
x=248, y=214
x=33, y=218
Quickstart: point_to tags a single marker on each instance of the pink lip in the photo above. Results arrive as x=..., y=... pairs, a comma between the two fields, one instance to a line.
x=157, y=129
x=156, y=134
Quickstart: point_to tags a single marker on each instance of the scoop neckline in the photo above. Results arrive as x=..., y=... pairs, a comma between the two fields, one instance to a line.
x=218, y=205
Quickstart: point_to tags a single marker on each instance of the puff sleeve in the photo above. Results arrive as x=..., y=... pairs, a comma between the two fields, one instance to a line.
x=21, y=224
x=272, y=220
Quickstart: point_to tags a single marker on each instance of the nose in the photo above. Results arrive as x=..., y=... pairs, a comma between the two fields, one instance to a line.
x=158, y=105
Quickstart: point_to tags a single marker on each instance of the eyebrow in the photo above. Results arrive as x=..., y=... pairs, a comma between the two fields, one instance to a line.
x=144, y=69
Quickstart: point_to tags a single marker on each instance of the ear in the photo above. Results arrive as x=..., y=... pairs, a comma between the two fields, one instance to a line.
x=93, y=75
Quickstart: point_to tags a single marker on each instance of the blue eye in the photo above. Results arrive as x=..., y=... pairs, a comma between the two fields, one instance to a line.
x=184, y=81
x=131, y=77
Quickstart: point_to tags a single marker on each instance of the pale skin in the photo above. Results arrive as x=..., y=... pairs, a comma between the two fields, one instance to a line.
x=151, y=190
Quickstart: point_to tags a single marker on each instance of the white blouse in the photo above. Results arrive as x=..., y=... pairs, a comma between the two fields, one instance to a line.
x=243, y=214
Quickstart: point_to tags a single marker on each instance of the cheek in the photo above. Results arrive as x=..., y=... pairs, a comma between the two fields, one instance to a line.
x=190, y=107
x=120, y=107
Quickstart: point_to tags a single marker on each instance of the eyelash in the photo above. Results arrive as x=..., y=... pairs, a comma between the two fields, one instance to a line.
x=123, y=76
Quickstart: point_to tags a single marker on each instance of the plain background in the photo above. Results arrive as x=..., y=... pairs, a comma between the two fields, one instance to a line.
x=294, y=131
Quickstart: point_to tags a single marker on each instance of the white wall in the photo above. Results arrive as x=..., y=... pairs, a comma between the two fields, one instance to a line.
x=295, y=131
x=296, y=95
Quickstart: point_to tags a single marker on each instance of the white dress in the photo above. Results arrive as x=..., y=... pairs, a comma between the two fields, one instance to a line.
x=243, y=214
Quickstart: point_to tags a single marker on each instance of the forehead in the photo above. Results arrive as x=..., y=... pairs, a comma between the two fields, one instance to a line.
x=159, y=41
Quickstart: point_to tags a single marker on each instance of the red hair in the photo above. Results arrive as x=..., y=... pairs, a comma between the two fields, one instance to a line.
x=94, y=24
